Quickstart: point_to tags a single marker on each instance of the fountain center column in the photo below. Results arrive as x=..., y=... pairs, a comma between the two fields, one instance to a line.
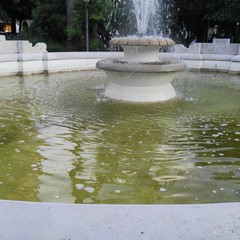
x=141, y=54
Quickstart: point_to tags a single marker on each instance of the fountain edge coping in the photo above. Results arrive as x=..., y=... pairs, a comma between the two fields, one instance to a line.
x=31, y=220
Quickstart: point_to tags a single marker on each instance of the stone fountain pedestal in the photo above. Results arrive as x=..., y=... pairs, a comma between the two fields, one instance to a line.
x=140, y=76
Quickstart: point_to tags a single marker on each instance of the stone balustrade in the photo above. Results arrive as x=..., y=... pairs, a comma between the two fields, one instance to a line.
x=21, y=58
x=16, y=46
x=218, y=46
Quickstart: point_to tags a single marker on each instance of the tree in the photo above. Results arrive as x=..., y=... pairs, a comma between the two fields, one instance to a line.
x=3, y=14
x=17, y=9
x=99, y=12
x=61, y=23
x=70, y=39
x=49, y=24
x=122, y=19
x=195, y=17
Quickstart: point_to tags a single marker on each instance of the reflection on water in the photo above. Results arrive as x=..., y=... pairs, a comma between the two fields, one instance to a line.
x=60, y=143
x=55, y=183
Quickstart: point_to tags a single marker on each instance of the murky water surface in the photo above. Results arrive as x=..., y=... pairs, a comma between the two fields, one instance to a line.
x=60, y=141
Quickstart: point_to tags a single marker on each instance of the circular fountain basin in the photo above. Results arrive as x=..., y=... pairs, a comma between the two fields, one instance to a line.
x=60, y=141
x=60, y=144
x=140, y=76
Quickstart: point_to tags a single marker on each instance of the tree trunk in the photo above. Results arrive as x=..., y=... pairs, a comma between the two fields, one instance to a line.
x=13, y=24
x=70, y=41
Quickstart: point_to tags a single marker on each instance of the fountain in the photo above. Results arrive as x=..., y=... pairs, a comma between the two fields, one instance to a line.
x=140, y=76
x=140, y=166
x=58, y=143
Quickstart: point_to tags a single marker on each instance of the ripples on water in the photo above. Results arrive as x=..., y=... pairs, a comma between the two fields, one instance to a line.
x=61, y=141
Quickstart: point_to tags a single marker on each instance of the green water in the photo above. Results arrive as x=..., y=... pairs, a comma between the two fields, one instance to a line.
x=61, y=141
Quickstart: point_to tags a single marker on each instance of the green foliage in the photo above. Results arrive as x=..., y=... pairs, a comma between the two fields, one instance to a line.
x=229, y=11
x=123, y=20
x=96, y=44
x=49, y=23
x=75, y=28
x=181, y=19
x=99, y=10
x=3, y=14
x=196, y=16
x=168, y=16
x=19, y=9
